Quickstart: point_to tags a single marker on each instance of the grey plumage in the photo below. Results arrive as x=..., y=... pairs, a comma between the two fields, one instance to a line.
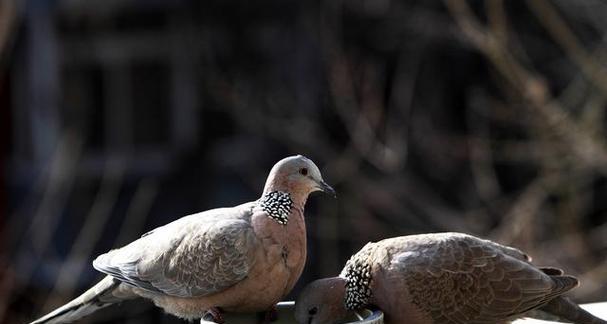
x=443, y=278
x=244, y=258
x=194, y=256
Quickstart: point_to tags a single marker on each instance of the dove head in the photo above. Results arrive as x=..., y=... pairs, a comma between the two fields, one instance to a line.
x=298, y=176
x=322, y=302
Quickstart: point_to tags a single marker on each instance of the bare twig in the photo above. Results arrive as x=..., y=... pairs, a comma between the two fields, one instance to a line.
x=549, y=17
x=91, y=231
x=7, y=22
x=587, y=148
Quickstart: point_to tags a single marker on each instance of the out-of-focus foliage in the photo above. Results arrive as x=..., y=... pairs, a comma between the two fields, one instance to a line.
x=486, y=117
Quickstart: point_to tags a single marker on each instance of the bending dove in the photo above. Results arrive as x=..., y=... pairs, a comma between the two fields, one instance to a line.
x=443, y=278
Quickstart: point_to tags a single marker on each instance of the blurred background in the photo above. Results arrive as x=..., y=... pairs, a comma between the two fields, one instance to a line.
x=118, y=116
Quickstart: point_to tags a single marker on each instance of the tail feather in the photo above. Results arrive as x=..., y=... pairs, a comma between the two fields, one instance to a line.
x=565, y=309
x=98, y=297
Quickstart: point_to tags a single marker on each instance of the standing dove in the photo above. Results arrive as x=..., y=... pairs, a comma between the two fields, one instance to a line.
x=443, y=278
x=239, y=259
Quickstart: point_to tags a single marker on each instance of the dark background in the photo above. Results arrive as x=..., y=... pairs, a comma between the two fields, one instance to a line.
x=485, y=117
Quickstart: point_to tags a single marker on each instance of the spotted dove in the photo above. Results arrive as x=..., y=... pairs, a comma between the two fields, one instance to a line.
x=239, y=259
x=443, y=278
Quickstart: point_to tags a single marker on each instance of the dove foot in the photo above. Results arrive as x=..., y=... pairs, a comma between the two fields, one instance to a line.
x=269, y=316
x=213, y=315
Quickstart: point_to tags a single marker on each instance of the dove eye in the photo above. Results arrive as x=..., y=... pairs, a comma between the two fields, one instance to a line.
x=303, y=171
x=313, y=311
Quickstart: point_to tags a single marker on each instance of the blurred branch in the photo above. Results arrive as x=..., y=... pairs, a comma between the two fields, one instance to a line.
x=520, y=227
x=481, y=153
x=361, y=119
x=358, y=120
x=8, y=15
x=54, y=186
x=60, y=179
x=588, y=149
x=90, y=233
x=593, y=281
x=7, y=285
x=136, y=214
x=567, y=152
x=549, y=17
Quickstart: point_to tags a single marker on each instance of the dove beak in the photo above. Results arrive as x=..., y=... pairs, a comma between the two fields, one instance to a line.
x=324, y=187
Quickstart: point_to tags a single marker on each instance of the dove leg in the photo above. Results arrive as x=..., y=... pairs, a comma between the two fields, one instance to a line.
x=213, y=315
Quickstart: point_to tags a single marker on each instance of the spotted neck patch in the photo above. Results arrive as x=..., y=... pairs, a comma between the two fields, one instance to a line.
x=358, y=283
x=278, y=205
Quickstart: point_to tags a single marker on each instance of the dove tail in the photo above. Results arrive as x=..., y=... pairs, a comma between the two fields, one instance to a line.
x=97, y=297
x=566, y=309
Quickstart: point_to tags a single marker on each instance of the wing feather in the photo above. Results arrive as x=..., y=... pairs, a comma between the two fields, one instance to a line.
x=463, y=279
x=197, y=255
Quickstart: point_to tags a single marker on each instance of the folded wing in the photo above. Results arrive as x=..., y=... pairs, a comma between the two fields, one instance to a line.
x=466, y=280
x=195, y=256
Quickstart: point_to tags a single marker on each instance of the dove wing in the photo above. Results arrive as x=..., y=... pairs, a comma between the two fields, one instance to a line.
x=463, y=279
x=197, y=255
